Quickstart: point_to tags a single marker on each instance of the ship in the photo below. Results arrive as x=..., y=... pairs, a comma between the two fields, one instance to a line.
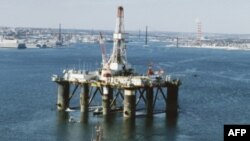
x=11, y=42
x=21, y=46
x=8, y=42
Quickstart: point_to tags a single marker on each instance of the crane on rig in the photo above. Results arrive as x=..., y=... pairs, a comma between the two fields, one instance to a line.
x=103, y=50
x=105, y=71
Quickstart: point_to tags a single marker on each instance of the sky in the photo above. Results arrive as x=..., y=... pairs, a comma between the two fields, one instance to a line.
x=216, y=16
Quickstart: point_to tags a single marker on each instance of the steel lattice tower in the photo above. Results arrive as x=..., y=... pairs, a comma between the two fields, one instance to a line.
x=118, y=59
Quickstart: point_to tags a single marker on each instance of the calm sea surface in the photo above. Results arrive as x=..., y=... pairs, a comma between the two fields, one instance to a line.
x=215, y=91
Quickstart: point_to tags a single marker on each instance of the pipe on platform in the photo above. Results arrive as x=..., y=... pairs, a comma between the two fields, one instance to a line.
x=84, y=98
x=63, y=95
x=129, y=103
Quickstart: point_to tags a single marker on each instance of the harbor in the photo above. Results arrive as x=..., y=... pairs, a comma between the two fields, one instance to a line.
x=35, y=38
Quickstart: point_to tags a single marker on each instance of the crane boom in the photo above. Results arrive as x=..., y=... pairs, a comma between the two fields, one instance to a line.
x=103, y=49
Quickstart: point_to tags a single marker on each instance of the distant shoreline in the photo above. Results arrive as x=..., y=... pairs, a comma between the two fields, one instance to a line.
x=213, y=47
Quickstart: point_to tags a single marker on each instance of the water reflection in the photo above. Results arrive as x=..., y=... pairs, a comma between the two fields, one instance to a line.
x=109, y=124
x=84, y=117
x=128, y=129
x=117, y=128
x=62, y=117
x=62, y=125
x=148, y=128
x=109, y=119
x=171, y=123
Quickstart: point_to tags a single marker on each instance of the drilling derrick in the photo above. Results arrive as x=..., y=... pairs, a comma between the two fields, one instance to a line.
x=118, y=60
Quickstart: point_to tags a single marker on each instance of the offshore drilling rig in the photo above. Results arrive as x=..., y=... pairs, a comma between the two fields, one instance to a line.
x=117, y=78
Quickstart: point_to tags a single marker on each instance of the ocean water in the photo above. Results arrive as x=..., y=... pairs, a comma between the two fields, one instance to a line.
x=215, y=91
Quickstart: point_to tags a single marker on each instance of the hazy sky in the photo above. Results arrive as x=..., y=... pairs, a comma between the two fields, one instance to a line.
x=217, y=16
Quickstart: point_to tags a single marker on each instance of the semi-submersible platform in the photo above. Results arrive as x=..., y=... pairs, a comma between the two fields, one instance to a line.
x=117, y=78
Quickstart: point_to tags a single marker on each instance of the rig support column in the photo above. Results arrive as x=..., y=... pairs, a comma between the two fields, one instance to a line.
x=63, y=95
x=105, y=101
x=111, y=97
x=149, y=98
x=172, y=98
x=84, y=97
x=129, y=103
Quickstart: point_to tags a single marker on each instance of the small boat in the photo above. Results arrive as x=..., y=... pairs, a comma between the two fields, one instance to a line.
x=98, y=134
x=97, y=111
